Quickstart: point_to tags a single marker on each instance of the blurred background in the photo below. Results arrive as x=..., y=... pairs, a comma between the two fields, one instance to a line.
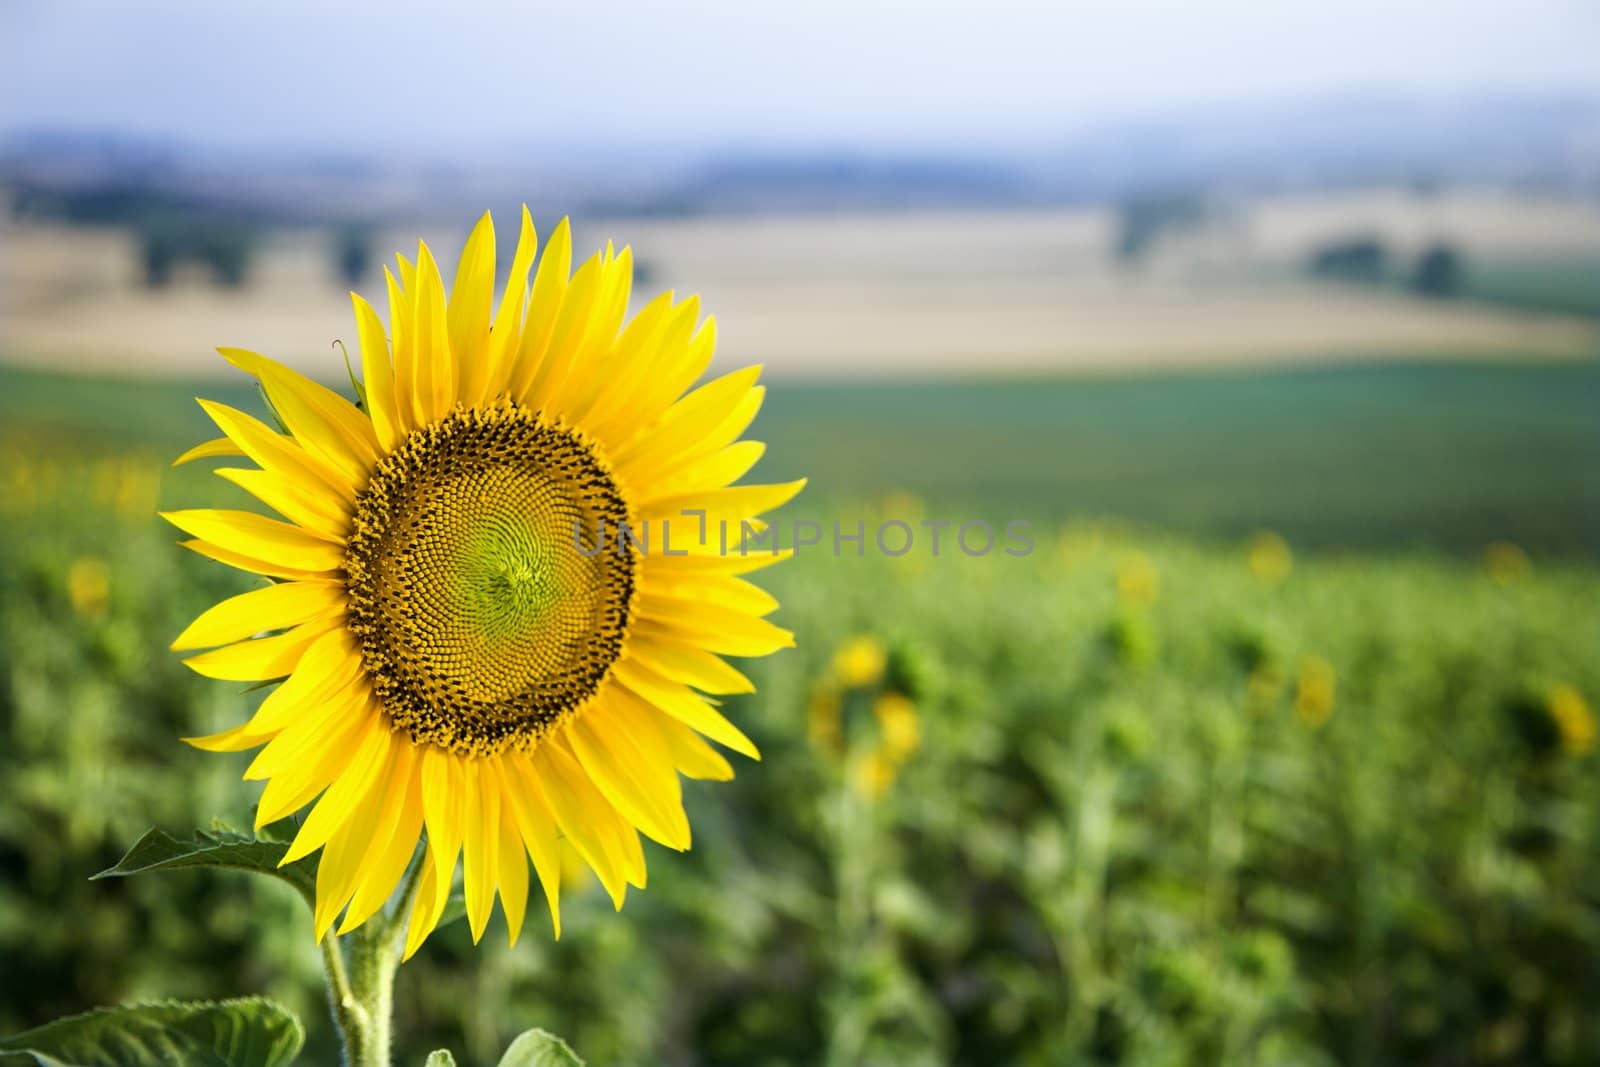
x=1279, y=323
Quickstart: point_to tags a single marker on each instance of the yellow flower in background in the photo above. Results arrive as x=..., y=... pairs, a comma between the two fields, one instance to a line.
x=1138, y=581
x=1314, y=692
x=855, y=683
x=1573, y=718
x=89, y=587
x=824, y=719
x=1506, y=562
x=452, y=660
x=903, y=505
x=872, y=773
x=1076, y=543
x=1263, y=686
x=1269, y=557
x=898, y=729
x=860, y=662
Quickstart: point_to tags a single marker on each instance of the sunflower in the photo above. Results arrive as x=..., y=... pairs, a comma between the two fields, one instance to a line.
x=464, y=658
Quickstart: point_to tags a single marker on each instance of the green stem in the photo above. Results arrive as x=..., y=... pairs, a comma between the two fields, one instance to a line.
x=360, y=970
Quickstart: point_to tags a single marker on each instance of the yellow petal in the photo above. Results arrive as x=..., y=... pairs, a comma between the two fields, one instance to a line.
x=408, y=274
x=317, y=515
x=377, y=375
x=260, y=610
x=715, y=628
x=338, y=867
x=403, y=345
x=691, y=666
x=715, y=470
x=436, y=364
x=646, y=793
x=658, y=566
x=343, y=708
x=222, y=446
x=588, y=370
x=259, y=537
x=630, y=408
x=684, y=705
x=628, y=363
x=506, y=336
x=685, y=429
x=442, y=811
x=578, y=806
x=313, y=764
x=721, y=589
x=572, y=321
x=329, y=665
x=324, y=422
x=471, y=295
x=537, y=829
x=275, y=452
x=674, y=377
x=348, y=790
x=513, y=875
x=263, y=658
x=394, y=839
x=544, y=304
x=665, y=738
x=480, y=849
x=713, y=517
x=428, y=906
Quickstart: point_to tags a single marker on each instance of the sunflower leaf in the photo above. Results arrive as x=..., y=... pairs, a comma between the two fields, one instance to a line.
x=440, y=1057
x=248, y=1032
x=540, y=1048
x=158, y=850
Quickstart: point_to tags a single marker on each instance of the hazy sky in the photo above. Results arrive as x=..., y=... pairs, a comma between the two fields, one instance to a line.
x=820, y=71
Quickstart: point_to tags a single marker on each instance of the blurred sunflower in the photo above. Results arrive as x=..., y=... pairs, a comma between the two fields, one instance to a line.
x=1269, y=557
x=1138, y=580
x=1314, y=692
x=860, y=661
x=89, y=586
x=861, y=677
x=1573, y=718
x=1506, y=563
x=459, y=652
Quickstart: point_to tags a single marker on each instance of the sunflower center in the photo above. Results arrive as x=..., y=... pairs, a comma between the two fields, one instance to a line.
x=484, y=612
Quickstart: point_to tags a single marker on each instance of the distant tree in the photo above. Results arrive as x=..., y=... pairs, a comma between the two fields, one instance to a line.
x=1351, y=259
x=1439, y=272
x=352, y=252
x=227, y=248
x=167, y=240
x=1142, y=219
x=158, y=247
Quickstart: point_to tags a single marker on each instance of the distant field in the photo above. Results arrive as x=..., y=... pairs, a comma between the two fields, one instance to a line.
x=1029, y=292
x=1569, y=286
x=1396, y=455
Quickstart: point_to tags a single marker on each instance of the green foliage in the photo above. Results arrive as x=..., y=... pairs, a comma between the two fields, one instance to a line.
x=219, y=847
x=249, y=1032
x=532, y=1048
x=1124, y=837
x=536, y=1048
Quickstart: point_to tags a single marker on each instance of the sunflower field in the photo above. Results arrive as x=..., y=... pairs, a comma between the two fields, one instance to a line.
x=1162, y=792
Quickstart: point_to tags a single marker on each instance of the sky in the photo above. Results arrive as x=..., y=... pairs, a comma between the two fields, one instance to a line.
x=514, y=75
